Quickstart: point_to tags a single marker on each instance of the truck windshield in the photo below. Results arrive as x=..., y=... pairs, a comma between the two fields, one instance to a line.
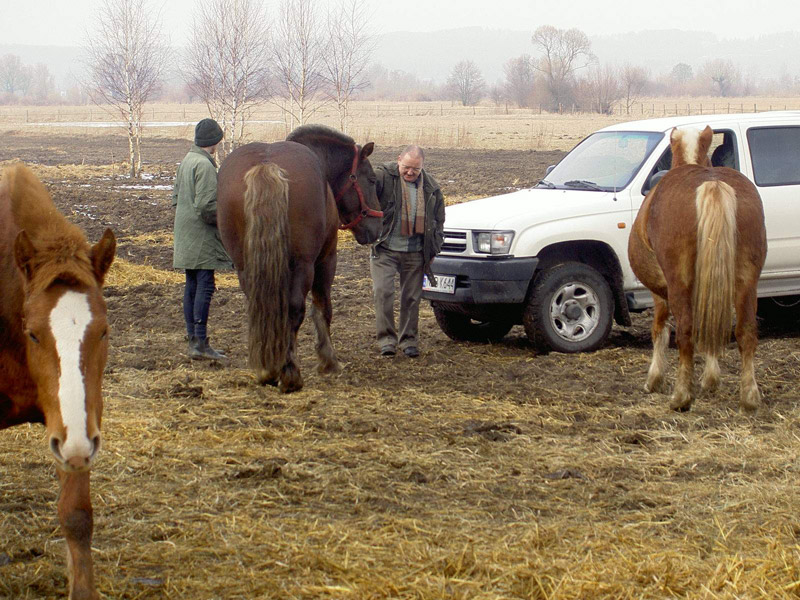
x=604, y=161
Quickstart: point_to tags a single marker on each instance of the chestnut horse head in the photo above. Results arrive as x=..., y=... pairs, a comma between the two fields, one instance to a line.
x=690, y=146
x=350, y=176
x=63, y=318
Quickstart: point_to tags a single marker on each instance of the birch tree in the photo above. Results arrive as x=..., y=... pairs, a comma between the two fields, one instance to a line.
x=347, y=57
x=126, y=60
x=227, y=63
x=298, y=59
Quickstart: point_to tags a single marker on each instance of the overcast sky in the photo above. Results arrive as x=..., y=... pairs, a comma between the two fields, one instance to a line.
x=63, y=22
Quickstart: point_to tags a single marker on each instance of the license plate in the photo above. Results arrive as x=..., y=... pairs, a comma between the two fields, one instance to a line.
x=445, y=284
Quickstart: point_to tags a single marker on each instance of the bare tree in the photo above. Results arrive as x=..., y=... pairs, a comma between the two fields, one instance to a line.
x=227, y=62
x=350, y=47
x=724, y=75
x=126, y=59
x=42, y=83
x=564, y=51
x=497, y=93
x=12, y=73
x=604, y=89
x=634, y=81
x=466, y=82
x=297, y=56
x=520, y=76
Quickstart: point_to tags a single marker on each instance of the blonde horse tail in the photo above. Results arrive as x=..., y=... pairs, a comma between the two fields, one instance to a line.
x=266, y=270
x=715, y=268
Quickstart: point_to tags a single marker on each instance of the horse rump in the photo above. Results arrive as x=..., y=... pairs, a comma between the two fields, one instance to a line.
x=266, y=268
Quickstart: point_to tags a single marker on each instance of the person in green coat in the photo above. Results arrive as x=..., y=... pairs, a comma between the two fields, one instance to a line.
x=412, y=235
x=197, y=244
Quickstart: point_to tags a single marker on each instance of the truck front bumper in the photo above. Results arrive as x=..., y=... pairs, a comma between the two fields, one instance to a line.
x=484, y=280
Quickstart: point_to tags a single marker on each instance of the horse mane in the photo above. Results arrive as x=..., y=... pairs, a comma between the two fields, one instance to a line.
x=62, y=251
x=319, y=131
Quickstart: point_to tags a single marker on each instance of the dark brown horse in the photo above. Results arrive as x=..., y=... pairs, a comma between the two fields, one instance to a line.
x=699, y=243
x=280, y=207
x=53, y=346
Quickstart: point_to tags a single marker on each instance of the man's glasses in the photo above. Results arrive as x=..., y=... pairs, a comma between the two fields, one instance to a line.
x=411, y=169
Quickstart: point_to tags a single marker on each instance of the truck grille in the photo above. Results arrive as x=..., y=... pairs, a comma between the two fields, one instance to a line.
x=454, y=241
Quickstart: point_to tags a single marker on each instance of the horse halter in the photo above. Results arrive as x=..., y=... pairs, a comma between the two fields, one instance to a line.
x=352, y=181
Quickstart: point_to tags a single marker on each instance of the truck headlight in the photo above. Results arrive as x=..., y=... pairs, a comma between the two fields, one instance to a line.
x=492, y=242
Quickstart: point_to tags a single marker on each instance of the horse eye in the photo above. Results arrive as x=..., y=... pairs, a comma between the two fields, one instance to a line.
x=34, y=339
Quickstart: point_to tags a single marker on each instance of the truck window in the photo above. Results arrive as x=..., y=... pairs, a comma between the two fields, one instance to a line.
x=775, y=152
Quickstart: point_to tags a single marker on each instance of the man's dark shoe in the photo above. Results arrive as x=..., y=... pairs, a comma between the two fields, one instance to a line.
x=202, y=350
x=388, y=351
x=411, y=352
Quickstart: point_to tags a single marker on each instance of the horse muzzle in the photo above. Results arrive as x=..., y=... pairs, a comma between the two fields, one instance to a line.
x=75, y=457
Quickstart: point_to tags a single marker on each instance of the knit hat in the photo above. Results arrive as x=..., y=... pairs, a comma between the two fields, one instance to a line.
x=207, y=133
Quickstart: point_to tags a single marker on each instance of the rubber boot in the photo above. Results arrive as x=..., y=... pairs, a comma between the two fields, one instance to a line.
x=203, y=350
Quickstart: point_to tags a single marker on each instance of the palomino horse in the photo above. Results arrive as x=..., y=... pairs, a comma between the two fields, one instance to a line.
x=699, y=243
x=279, y=211
x=53, y=346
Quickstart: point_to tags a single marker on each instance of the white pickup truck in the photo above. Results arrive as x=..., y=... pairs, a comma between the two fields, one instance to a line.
x=554, y=257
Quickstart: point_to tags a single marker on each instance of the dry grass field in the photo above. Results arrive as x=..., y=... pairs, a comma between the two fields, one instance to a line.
x=430, y=124
x=474, y=472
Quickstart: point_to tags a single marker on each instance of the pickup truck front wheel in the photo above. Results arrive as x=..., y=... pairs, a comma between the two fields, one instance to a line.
x=462, y=328
x=570, y=309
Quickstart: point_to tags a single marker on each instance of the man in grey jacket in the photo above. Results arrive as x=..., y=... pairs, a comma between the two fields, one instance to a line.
x=413, y=231
x=197, y=246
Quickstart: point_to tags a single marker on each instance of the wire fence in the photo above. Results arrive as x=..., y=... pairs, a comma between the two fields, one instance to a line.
x=192, y=113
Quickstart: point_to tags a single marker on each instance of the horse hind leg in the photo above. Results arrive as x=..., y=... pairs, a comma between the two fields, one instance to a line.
x=747, y=340
x=683, y=393
x=660, y=336
x=290, y=379
x=322, y=314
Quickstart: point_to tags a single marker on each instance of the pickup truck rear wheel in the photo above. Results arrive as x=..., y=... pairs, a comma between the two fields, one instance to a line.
x=462, y=328
x=570, y=309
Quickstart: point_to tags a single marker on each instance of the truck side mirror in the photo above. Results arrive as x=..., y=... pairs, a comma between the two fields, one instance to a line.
x=654, y=179
x=548, y=169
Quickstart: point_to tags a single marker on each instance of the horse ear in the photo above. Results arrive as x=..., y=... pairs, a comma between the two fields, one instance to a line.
x=24, y=253
x=367, y=150
x=705, y=138
x=102, y=255
x=672, y=134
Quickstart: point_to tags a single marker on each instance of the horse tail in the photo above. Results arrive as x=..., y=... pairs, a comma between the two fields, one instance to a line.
x=715, y=268
x=266, y=268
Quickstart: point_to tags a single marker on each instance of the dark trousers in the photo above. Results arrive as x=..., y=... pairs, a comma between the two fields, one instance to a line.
x=384, y=265
x=197, y=300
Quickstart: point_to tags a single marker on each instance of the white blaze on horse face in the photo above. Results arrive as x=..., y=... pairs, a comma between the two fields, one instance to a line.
x=69, y=321
x=690, y=140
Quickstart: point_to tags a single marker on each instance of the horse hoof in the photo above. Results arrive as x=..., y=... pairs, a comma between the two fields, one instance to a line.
x=333, y=368
x=710, y=383
x=289, y=384
x=654, y=387
x=681, y=402
x=265, y=378
x=750, y=401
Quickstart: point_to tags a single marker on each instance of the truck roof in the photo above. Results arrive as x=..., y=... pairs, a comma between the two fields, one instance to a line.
x=664, y=124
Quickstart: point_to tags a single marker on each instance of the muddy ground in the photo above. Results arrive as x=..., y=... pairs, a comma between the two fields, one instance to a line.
x=476, y=470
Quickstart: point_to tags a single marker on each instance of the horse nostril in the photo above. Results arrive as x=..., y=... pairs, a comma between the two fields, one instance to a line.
x=55, y=448
x=96, y=443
